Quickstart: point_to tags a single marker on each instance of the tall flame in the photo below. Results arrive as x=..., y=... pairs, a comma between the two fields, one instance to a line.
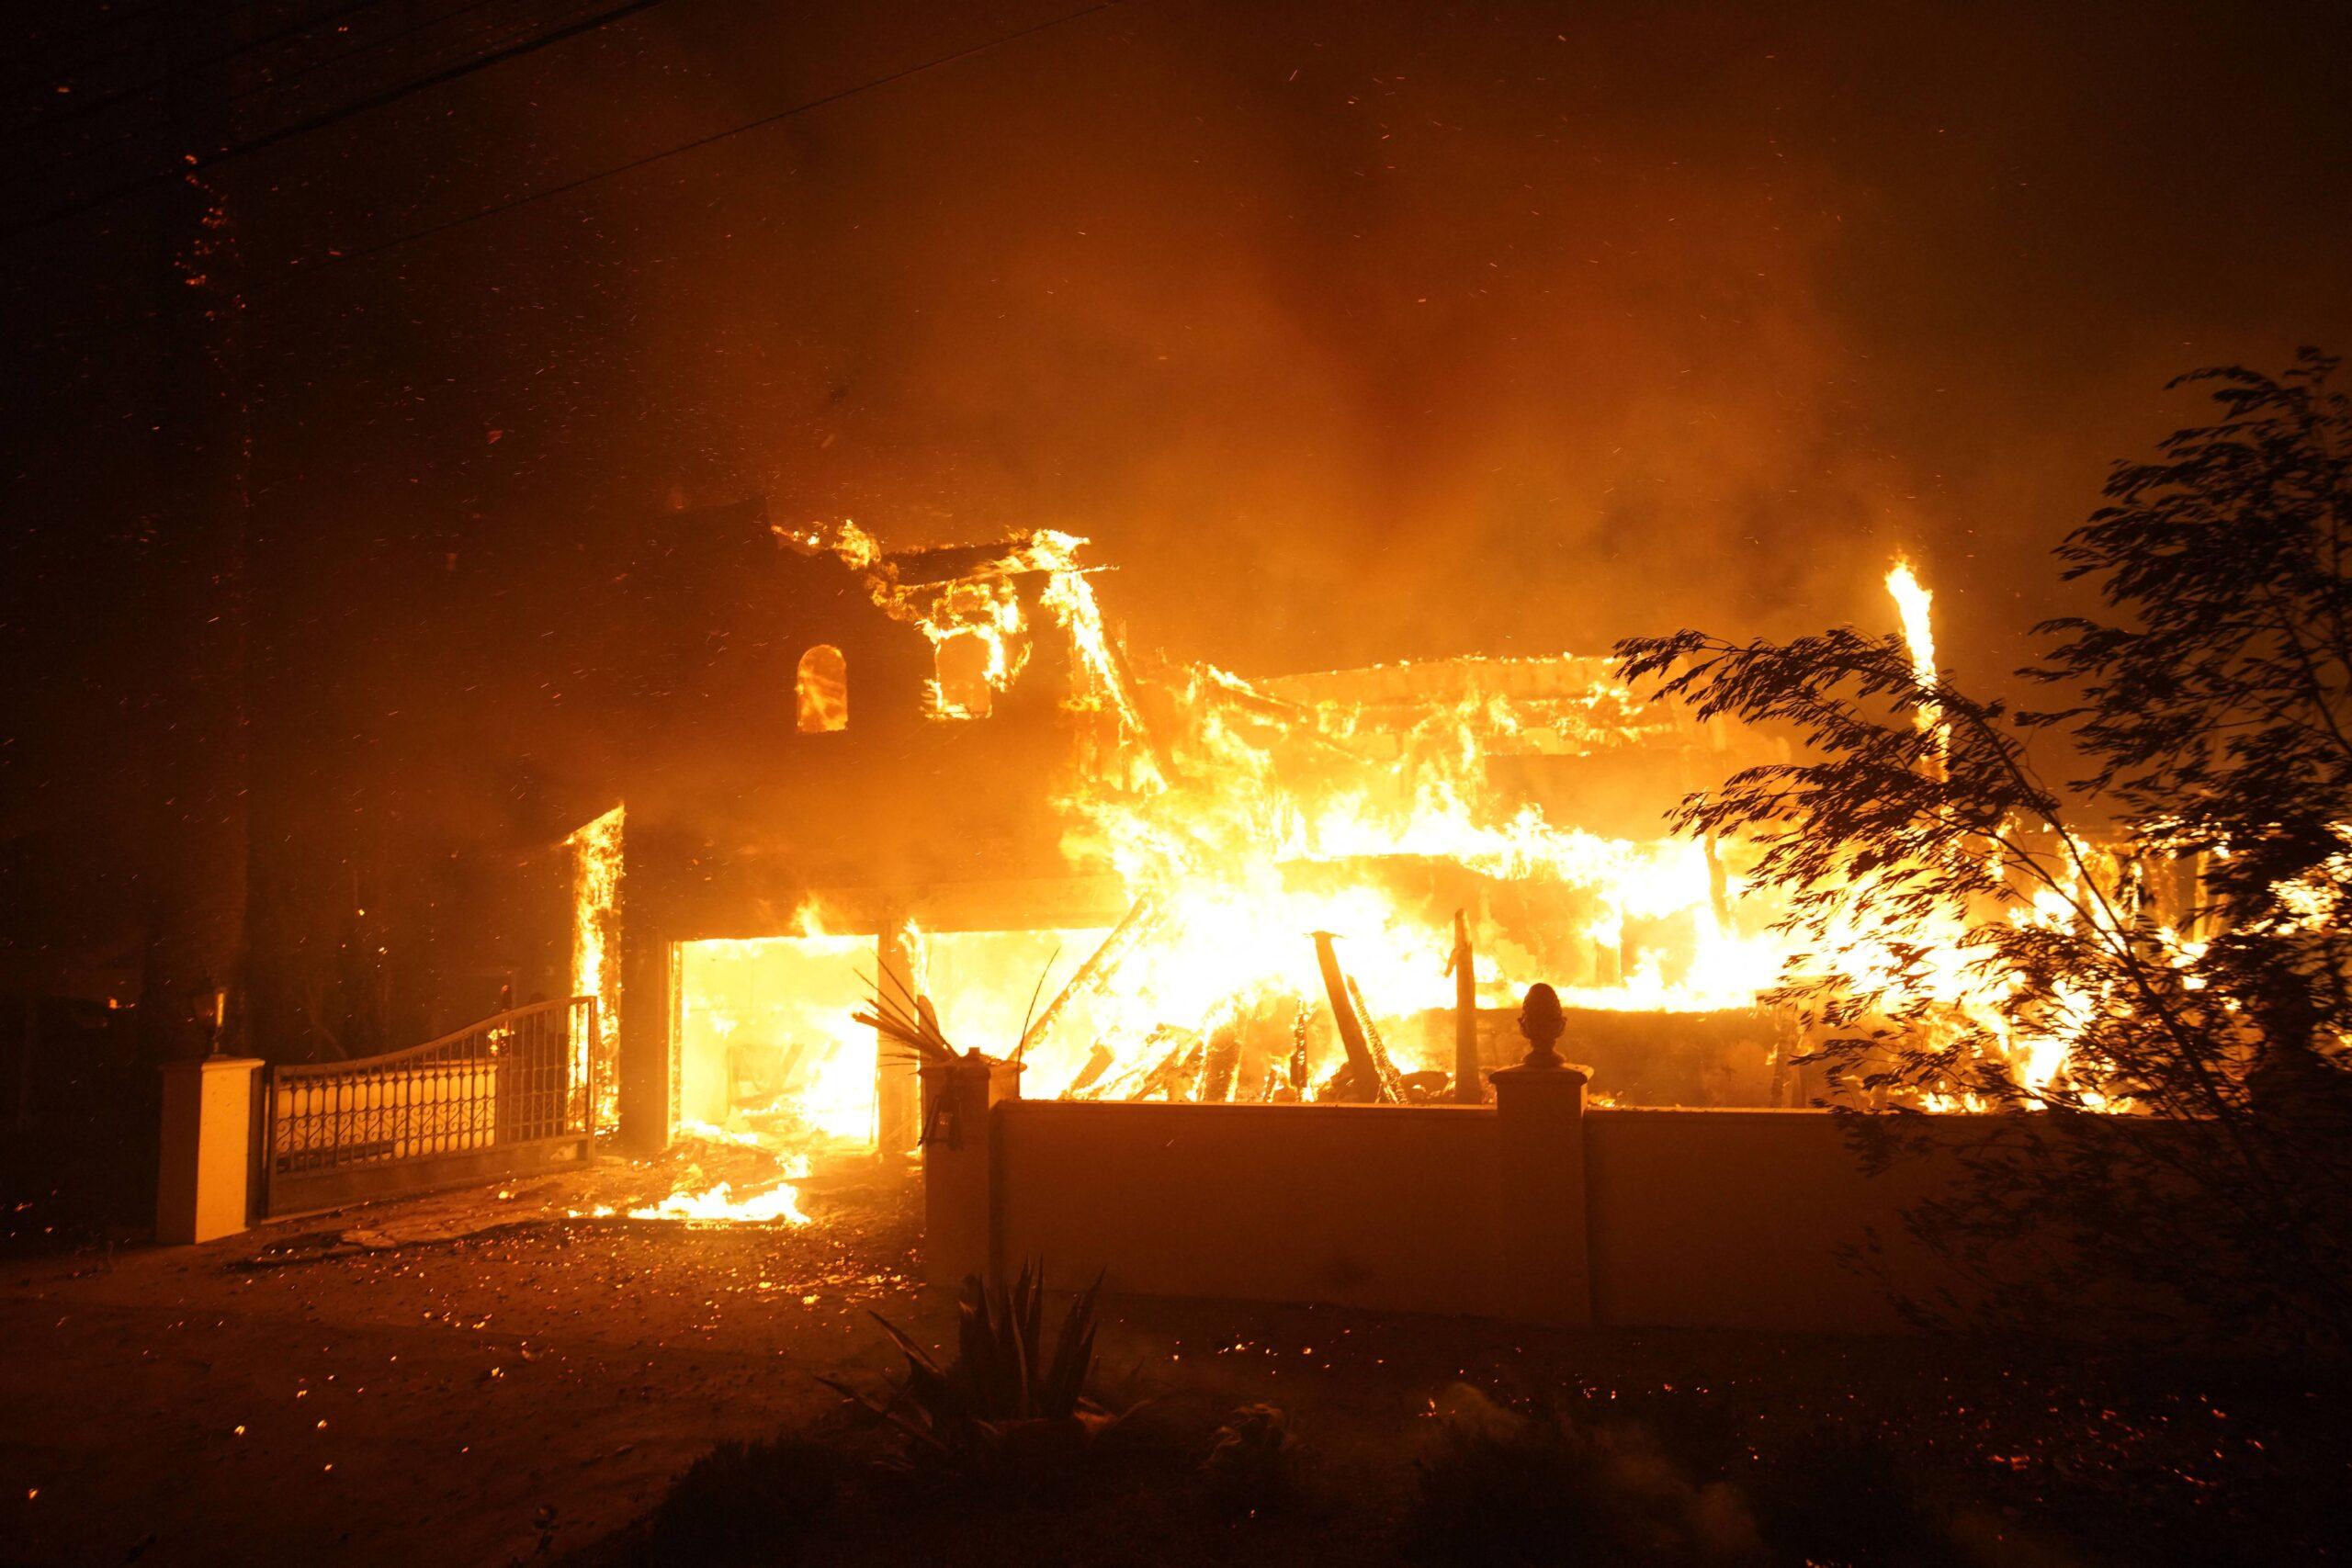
x=595, y=920
x=1914, y=605
x=1914, y=602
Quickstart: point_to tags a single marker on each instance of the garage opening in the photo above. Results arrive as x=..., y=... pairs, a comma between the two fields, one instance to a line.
x=768, y=1049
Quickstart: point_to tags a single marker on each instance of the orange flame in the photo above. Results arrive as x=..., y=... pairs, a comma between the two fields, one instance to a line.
x=1914, y=605
x=595, y=919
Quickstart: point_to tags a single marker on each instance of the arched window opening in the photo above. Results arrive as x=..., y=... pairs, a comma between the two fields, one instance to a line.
x=823, y=690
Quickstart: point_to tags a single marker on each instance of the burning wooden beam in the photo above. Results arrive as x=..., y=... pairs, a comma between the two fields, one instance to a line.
x=1296, y=1070
x=897, y=1096
x=1099, y=966
x=1468, y=1088
x=1363, y=1074
x=1130, y=705
x=1392, y=1086
x=1096, y=1066
x=1222, y=1063
x=1178, y=1071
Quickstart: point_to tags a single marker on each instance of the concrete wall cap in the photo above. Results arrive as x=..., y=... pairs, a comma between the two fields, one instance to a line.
x=1561, y=1073
x=1186, y=1108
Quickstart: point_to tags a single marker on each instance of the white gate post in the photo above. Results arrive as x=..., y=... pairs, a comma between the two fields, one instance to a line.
x=201, y=1188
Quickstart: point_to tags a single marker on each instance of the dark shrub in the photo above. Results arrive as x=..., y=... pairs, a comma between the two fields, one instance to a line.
x=748, y=1502
x=1252, y=1466
x=1841, y=1500
x=1503, y=1487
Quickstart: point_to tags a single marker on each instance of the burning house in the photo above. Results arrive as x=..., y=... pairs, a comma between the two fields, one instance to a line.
x=1372, y=756
x=940, y=784
x=1141, y=879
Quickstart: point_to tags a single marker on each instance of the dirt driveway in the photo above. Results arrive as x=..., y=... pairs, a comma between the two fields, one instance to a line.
x=486, y=1379
x=443, y=1394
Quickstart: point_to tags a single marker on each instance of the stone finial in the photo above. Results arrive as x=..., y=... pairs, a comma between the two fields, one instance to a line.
x=1541, y=1021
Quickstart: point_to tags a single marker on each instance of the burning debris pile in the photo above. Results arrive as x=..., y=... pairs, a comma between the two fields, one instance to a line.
x=1302, y=861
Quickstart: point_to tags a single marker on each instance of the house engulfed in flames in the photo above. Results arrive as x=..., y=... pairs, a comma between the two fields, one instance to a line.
x=1146, y=879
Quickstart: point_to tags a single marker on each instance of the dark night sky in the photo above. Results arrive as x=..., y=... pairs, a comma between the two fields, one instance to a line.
x=1521, y=329
x=1348, y=334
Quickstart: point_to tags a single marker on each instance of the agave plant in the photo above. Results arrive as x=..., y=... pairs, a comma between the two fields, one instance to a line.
x=1002, y=1397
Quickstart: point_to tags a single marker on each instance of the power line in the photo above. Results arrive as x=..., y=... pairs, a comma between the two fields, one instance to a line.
x=374, y=45
x=298, y=273
x=280, y=84
x=195, y=163
x=337, y=258
x=164, y=14
x=85, y=109
x=107, y=23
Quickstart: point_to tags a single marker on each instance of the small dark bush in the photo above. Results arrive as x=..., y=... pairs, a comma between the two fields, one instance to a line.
x=1839, y=1499
x=1503, y=1487
x=1252, y=1466
x=748, y=1502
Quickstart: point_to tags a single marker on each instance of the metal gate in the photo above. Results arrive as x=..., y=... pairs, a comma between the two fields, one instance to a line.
x=512, y=1092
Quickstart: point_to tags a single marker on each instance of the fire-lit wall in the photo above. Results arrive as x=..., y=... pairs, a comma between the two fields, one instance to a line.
x=1743, y=1219
x=1703, y=1219
x=1359, y=1205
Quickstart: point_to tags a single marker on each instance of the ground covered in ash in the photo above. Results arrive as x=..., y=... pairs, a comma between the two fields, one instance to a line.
x=478, y=1378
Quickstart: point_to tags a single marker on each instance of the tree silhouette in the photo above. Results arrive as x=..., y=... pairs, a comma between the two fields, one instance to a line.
x=2162, y=939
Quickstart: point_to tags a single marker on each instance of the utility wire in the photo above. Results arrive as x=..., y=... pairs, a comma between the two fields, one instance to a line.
x=85, y=109
x=564, y=188
x=195, y=163
x=164, y=15
x=280, y=84
x=374, y=45
x=108, y=22
x=298, y=273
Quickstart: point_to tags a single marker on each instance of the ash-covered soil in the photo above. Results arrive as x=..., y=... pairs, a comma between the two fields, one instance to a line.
x=471, y=1378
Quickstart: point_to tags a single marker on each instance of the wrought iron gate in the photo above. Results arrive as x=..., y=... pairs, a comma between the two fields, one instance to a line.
x=512, y=1092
